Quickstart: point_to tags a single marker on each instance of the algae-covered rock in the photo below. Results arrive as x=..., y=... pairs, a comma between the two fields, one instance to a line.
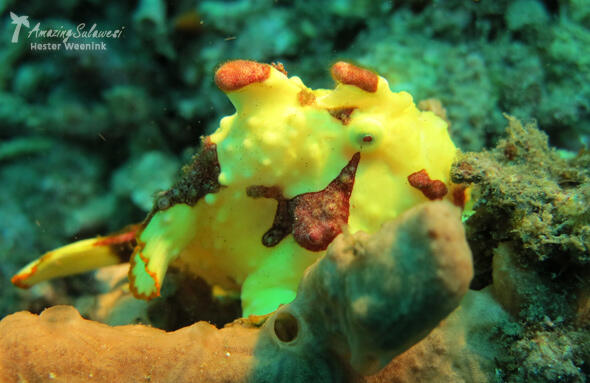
x=527, y=193
x=529, y=236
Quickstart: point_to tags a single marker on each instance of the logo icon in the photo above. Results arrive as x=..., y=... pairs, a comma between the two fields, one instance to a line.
x=56, y=37
x=18, y=21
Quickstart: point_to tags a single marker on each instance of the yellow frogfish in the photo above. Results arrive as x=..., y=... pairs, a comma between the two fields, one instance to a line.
x=274, y=185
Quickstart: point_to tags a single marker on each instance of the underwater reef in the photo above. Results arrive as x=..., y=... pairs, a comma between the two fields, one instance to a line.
x=339, y=326
x=88, y=141
x=529, y=237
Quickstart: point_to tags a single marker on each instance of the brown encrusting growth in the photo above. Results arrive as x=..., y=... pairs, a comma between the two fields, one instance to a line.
x=315, y=218
x=319, y=216
x=342, y=114
x=283, y=221
x=197, y=179
x=305, y=97
x=459, y=195
x=350, y=74
x=280, y=67
x=236, y=74
x=123, y=243
x=432, y=189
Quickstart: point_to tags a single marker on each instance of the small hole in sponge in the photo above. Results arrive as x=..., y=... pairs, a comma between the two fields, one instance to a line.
x=286, y=327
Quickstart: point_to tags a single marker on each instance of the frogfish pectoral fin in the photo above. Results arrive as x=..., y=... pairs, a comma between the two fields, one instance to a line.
x=79, y=257
x=167, y=233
